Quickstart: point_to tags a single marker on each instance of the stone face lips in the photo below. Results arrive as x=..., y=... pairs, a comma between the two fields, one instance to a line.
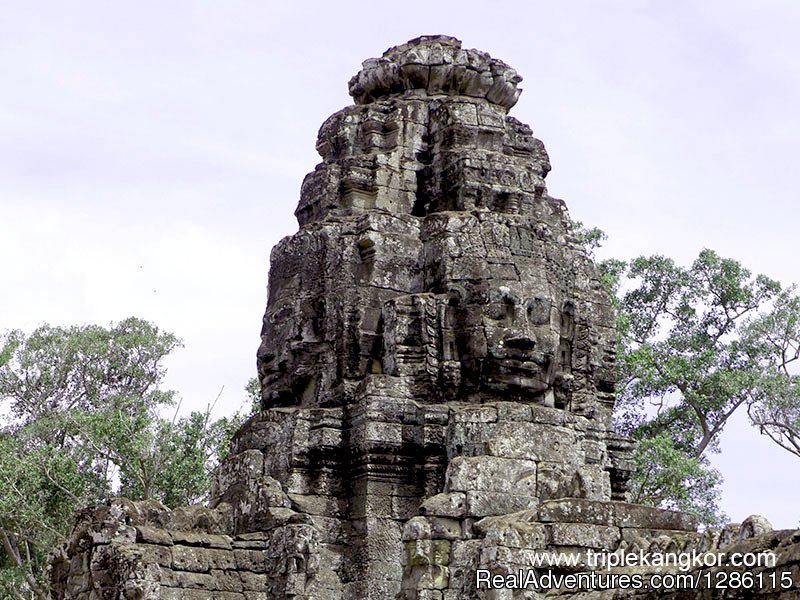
x=437, y=370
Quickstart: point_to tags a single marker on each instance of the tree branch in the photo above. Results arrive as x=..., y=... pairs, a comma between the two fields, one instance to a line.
x=14, y=555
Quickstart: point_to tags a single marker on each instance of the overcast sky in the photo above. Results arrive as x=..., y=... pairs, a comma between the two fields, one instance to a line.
x=151, y=154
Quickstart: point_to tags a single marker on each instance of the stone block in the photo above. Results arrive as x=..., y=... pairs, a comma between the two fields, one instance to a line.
x=482, y=504
x=427, y=528
x=598, y=537
x=316, y=505
x=618, y=514
x=202, y=519
x=658, y=540
x=513, y=411
x=331, y=529
x=325, y=584
x=534, y=441
x=227, y=582
x=451, y=504
x=190, y=580
x=515, y=533
x=250, y=560
x=206, y=540
x=150, y=554
x=427, y=552
x=429, y=594
x=190, y=558
x=153, y=535
x=554, y=479
x=475, y=414
x=497, y=557
x=488, y=473
x=221, y=559
x=253, y=582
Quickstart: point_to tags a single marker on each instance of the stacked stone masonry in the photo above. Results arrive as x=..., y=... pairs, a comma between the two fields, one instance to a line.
x=437, y=366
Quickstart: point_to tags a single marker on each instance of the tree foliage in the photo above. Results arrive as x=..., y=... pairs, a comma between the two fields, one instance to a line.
x=774, y=340
x=688, y=343
x=696, y=345
x=667, y=477
x=83, y=419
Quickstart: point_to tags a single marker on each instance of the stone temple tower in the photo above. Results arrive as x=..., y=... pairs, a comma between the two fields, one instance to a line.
x=435, y=341
x=437, y=367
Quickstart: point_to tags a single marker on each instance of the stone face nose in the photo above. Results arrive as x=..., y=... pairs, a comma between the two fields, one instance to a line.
x=434, y=66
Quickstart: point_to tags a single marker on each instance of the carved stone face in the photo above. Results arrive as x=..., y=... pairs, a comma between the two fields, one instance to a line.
x=506, y=295
x=520, y=342
x=503, y=341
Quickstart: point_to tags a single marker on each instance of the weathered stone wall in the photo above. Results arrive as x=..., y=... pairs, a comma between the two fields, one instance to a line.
x=728, y=580
x=143, y=550
x=437, y=367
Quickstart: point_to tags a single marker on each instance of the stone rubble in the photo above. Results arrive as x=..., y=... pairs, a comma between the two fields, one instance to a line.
x=437, y=364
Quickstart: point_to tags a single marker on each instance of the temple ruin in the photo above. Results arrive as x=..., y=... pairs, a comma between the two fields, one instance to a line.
x=437, y=363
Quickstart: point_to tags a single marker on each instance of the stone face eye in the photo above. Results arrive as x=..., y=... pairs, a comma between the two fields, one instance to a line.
x=538, y=310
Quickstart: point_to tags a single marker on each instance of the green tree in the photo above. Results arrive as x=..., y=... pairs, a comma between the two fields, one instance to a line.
x=774, y=341
x=40, y=487
x=168, y=460
x=667, y=477
x=696, y=345
x=81, y=421
x=687, y=343
x=53, y=383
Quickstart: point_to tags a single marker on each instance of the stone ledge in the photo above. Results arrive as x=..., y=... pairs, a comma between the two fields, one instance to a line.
x=618, y=514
